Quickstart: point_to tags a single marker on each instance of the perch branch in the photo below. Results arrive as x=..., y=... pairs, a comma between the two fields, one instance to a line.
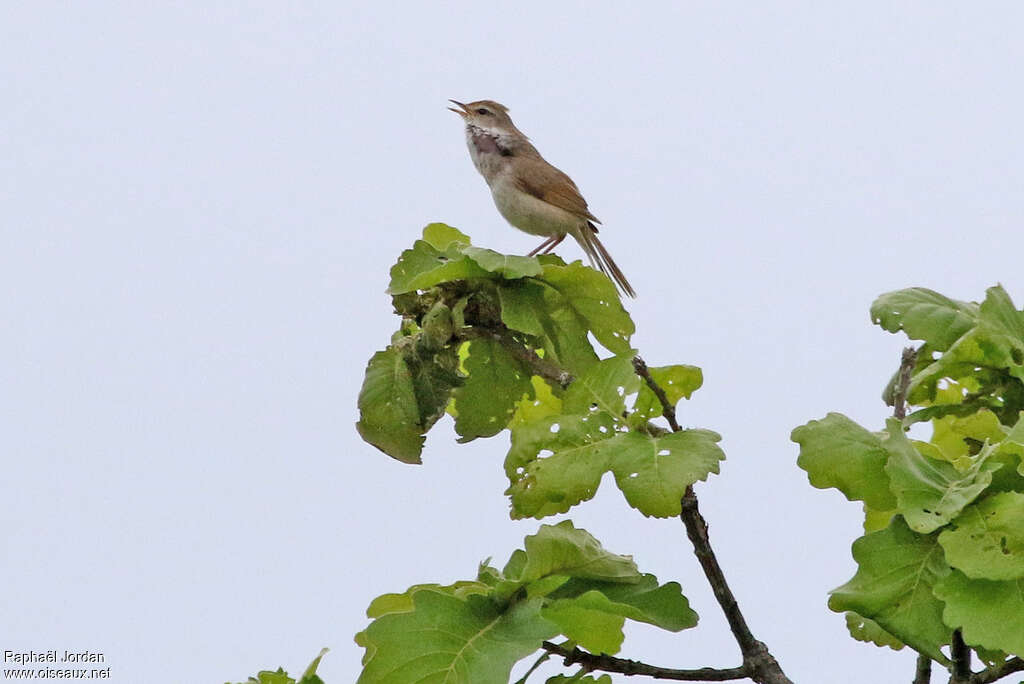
x=758, y=662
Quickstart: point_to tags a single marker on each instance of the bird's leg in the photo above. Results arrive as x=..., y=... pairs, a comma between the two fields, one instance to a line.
x=544, y=244
x=554, y=244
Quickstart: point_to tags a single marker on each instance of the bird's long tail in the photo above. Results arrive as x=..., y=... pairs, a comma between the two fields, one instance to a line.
x=599, y=256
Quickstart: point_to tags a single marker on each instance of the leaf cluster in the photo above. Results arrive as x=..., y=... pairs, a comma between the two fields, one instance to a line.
x=507, y=342
x=561, y=582
x=504, y=341
x=279, y=676
x=944, y=519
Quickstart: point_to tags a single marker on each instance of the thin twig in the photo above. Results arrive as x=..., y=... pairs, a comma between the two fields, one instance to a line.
x=999, y=671
x=537, y=663
x=538, y=366
x=758, y=662
x=960, y=654
x=923, y=675
x=907, y=362
x=667, y=409
x=607, y=663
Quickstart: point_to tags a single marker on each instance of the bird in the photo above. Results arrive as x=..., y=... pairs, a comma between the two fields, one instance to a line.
x=529, y=192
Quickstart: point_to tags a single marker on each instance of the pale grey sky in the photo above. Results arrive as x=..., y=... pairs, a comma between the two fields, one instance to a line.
x=199, y=205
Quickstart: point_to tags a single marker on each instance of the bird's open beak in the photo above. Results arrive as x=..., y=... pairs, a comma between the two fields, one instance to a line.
x=461, y=113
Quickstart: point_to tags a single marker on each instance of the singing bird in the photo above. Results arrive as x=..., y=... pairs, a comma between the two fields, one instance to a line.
x=530, y=193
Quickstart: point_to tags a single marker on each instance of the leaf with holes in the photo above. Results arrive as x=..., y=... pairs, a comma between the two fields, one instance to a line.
x=867, y=630
x=654, y=472
x=986, y=541
x=678, y=382
x=445, y=638
x=931, y=492
x=495, y=382
x=893, y=586
x=837, y=452
x=595, y=298
x=557, y=462
x=389, y=417
x=990, y=613
x=952, y=435
x=604, y=387
x=925, y=315
x=542, y=404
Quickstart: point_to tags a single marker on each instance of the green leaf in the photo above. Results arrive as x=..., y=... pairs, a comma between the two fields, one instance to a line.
x=589, y=620
x=402, y=603
x=496, y=381
x=537, y=309
x=543, y=483
x=877, y=520
x=563, y=549
x=523, y=307
x=866, y=629
x=271, y=677
x=837, y=452
x=604, y=386
x=986, y=541
x=433, y=380
x=893, y=586
x=310, y=675
x=505, y=265
x=663, y=605
x=424, y=266
x=678, y=382
x=591, y=612
x=929, y=492
x=545, y=585
x=281, y=677
x=595, y=298
x=440, y=236
x=995, y=342
x=924, y=315
x=388, y=412
x=452, y=640
x=542, y=404
x=990, y=613
x=654, y=472
x=952, y=435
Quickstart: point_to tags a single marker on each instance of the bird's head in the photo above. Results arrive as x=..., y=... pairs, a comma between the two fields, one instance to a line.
x=486, y=115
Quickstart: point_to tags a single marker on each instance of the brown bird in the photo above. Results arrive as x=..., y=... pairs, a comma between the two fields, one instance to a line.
x=530, y=193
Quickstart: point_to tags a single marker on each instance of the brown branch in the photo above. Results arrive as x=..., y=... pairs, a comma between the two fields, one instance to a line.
x=998, y=671
x=923, y=674
x=758, y=662
x=960, y=654
x=907, y=362
x=607, y=663
x=667, y=409
x=538, y=366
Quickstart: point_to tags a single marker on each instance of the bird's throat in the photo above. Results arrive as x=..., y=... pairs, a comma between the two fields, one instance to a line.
x=487, y=142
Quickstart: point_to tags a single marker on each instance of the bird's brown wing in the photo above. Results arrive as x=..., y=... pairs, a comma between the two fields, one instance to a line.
x=545, y=182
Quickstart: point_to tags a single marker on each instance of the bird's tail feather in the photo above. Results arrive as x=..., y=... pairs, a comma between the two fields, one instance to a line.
x=597, y=254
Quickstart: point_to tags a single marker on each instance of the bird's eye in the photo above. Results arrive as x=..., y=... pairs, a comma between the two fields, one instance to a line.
x=482, y=111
